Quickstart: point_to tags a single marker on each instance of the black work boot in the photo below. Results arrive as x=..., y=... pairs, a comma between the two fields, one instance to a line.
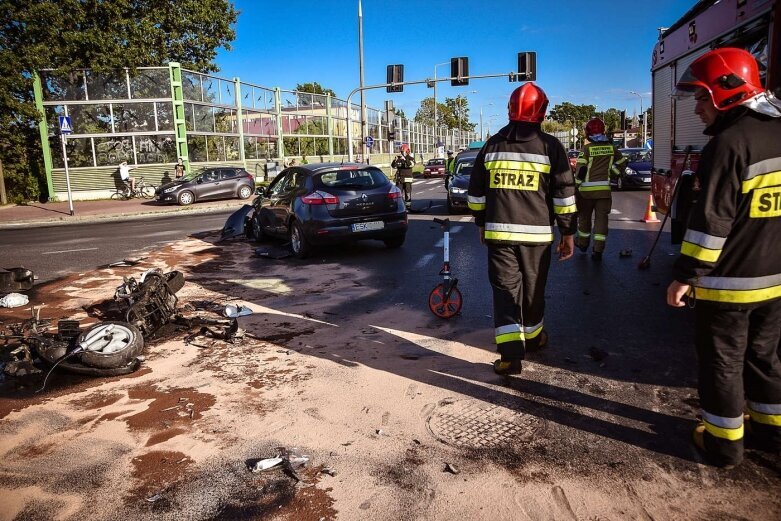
x=596, y=256
x=507, y=367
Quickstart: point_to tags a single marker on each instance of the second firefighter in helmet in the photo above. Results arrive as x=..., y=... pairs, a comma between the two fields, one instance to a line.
x=597, y=163
x=521, y=185
x=403, y=165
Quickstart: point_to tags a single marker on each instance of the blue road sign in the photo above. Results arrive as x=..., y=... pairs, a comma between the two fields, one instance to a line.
x=65, y=125
x=369, y=141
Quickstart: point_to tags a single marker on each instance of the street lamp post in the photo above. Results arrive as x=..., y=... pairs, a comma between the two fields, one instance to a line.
x=459, y=107
x=482, y=136
x=644, y=118
x=436, y=128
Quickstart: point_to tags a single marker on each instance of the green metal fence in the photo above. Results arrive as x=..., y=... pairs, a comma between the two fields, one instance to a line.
x=155, y=115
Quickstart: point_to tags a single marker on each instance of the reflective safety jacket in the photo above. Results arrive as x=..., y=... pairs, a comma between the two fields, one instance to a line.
x=521, y=181
x=596, y=163
x=731, y=251
x=404, y=166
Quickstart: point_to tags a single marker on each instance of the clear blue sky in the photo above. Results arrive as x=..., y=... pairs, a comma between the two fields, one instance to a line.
x=587, y=52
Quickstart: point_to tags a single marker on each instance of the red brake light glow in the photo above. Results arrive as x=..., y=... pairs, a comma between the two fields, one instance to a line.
x=319, y=197
x=395, y=193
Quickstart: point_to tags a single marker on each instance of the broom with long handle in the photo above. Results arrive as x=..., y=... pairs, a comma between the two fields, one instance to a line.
x=646, y=262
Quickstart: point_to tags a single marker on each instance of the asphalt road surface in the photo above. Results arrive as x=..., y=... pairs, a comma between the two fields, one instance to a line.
x=57, y=251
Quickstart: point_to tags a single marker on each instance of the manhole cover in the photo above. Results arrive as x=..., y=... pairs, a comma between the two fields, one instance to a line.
x=477, y=424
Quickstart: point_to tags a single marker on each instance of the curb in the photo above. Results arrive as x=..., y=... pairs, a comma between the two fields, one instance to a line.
x=115, y=217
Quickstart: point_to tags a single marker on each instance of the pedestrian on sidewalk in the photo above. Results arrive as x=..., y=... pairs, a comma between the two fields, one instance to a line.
x=179, y=169
x=730, y=262
x=521, y=182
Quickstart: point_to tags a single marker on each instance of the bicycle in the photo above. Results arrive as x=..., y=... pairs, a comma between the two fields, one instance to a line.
x=143, y=190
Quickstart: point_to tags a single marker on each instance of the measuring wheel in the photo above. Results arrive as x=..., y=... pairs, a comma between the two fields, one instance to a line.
x=445, y=307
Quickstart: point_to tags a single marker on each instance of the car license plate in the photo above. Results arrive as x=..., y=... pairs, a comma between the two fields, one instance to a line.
x=365, y=227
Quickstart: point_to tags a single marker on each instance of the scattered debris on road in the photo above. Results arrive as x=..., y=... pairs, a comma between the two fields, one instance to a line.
x=16, y=279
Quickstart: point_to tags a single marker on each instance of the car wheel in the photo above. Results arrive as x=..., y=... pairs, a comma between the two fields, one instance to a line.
x=395, y=242
x=186, y=198
x=450, y=208
x=620, y=183
x=298, y=243
x=245, y=192
x=257, y=230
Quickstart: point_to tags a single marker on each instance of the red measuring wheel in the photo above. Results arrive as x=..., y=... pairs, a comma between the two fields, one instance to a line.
x=445, y=307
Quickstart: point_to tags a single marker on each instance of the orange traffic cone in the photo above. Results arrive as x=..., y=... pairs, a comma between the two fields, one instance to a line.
x=650, y=215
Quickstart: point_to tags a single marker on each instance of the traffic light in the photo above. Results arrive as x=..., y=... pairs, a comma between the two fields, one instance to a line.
x=459, y=70
x=623, y=120
x=395, y=75
x=391, y=135
x=527, y=66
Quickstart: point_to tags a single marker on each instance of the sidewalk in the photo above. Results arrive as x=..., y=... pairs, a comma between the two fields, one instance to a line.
x=56, y=214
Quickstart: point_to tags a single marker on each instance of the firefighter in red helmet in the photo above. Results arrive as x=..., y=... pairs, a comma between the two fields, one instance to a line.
x=730, y=262
x=520, y=185
x=597, y=163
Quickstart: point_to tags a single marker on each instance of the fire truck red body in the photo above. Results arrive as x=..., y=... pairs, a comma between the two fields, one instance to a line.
x=754, y=25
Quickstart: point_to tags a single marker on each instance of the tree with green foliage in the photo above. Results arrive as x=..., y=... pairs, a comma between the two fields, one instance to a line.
x=458, y=115
x=569, y=114
x=101, y=35
x=314, y=88
x=425, y=114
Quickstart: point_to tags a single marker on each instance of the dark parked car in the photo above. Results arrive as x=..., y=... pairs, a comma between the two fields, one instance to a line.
x=459, y=183
x=329, y=203
x=637, y=173
x=434, y=166
x=208, y=183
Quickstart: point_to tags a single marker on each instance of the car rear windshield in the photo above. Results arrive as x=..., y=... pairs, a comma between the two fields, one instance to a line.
x=353, y=179
x=432, y=162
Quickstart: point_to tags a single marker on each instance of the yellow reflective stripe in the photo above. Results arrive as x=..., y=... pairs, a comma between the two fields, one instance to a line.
x=601, y=150
x=533, y=331
x=408, y=179
x=509, y=337
x=725, y=434
x=700, y=253
x=737, y=296
x=767, y=419
x=517, y=165
x=519, y=237
x=762, y=181
x=584, y=234
x=581, y=161
x=584, y=188
x=565, y=209
x=600, y=237
x=476, y=206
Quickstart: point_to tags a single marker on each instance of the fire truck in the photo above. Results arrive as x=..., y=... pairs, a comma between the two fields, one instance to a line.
x=754, y=25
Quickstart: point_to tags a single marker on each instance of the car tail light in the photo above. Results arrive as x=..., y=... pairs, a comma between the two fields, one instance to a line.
x=320, y=198
x=395, y=193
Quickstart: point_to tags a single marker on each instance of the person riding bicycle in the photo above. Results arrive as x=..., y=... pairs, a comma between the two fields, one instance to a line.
x=124, y=174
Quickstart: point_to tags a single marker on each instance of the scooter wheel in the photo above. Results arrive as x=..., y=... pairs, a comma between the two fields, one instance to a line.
x=442, y=307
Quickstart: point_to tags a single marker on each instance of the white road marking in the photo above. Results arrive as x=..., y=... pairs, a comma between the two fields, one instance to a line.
x=614, y=212
x=424, y=260
x=67, y=251
x=456, y=229
x=465, y=219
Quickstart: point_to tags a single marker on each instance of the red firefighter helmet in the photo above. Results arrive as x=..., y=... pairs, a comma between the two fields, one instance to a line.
x=595, y=126
x=527, y=103
x=729, y=74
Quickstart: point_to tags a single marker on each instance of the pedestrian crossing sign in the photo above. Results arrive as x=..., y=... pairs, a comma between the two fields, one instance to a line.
x=65, y=125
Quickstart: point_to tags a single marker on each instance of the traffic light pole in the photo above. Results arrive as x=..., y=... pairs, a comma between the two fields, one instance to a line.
x=418, y=82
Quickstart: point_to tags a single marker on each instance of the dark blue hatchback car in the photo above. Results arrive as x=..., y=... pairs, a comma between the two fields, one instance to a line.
x=329, y=203
x=637, y=172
